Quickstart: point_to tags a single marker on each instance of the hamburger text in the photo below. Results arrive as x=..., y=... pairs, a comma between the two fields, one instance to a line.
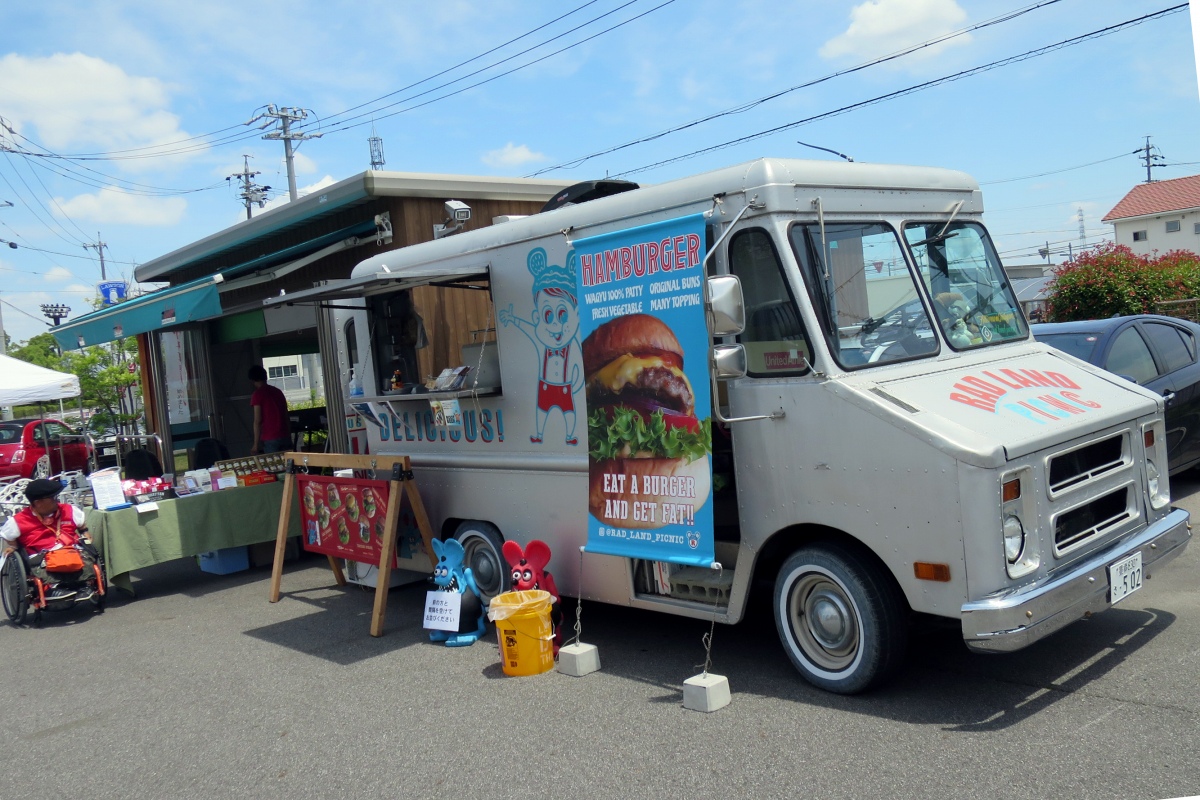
x=640, y=260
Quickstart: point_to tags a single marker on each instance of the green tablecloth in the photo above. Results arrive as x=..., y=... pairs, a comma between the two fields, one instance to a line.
x=188, y=526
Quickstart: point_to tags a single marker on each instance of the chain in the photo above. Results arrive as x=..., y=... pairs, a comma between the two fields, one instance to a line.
x=707, y=638
x=579, y=604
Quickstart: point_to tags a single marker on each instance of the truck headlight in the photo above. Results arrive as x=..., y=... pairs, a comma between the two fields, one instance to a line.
x=1014, y=539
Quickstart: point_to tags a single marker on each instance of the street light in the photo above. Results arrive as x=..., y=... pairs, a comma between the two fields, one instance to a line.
x=55, y=311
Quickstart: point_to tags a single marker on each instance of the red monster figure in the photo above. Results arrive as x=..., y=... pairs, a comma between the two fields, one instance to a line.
x=529, y=572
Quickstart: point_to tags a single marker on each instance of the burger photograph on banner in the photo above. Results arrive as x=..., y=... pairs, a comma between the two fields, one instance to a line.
x=646, y=387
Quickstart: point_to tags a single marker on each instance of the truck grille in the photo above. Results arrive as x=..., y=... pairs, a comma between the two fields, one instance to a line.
x=1094, y=518
x=1087, y=463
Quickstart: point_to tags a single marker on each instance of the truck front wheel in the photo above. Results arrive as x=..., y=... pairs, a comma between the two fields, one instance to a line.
x=482, y=545
x=841, y=618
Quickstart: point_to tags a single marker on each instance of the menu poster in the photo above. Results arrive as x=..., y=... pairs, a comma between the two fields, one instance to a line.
x=343, y=517
x=642, y=324
x=106, y=489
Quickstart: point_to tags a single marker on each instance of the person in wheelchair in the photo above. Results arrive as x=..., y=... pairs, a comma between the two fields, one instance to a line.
x=53, y=537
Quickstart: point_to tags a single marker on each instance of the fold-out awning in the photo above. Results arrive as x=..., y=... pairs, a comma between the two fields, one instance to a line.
x=383, y=281
x=189, y=302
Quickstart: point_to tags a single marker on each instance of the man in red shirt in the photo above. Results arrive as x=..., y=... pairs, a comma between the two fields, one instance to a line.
x=272, y=428
x=47, y=525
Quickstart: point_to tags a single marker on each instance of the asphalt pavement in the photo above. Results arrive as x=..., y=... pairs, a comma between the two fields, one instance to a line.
x=199, y=687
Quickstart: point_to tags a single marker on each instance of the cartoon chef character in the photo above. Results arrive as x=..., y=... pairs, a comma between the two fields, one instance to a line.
x=554, y=329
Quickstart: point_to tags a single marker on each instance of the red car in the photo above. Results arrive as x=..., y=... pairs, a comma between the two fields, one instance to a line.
x=23, y=451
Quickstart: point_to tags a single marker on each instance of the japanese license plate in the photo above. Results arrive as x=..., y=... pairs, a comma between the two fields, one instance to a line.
x=107, y=451
x=1124, y=577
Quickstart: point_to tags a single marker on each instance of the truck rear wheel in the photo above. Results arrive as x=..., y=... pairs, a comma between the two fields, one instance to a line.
x=482, y=545
x=842, y=620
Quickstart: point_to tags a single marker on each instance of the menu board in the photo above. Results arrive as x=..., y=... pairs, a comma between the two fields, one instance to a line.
x=343, y=517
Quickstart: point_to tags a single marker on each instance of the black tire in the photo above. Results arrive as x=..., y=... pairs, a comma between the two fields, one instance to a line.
x=14, y=588
x=99, y=600
x=482, y=545
x=842, y=620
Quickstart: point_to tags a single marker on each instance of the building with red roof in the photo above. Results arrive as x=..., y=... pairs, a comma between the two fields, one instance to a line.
x=1159, y=216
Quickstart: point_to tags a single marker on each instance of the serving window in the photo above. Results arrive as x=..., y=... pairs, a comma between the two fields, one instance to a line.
x=419, y=332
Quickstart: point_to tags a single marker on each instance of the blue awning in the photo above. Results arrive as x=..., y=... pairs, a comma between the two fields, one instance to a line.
x=188, y=302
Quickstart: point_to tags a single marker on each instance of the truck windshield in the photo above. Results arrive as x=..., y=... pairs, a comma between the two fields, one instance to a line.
x=869, y=304
x=972, y=297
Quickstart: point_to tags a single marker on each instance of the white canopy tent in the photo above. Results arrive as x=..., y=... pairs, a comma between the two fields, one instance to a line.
x=22, y=383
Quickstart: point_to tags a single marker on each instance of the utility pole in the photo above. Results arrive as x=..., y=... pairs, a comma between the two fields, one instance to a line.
x=285, y=117
x=99, y=248
x=1152, y=157
x=251, y=193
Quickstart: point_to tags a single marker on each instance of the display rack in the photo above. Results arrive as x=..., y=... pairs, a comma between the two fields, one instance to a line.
x=402, y=484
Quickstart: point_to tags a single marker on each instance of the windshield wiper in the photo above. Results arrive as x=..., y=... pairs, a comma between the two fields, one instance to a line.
x=870, y=324
x=941, y=235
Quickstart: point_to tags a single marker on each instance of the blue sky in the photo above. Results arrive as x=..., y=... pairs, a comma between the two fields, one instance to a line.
x=154, y=95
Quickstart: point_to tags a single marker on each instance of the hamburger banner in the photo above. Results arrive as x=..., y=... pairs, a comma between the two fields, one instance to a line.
x=645, y=361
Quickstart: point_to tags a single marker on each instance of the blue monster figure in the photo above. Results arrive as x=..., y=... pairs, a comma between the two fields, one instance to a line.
x=450, y=575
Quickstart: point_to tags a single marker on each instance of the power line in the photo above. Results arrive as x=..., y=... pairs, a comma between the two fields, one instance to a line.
x=1057, y=171
x=157, y=151
x=32, y=206
x=738, y=109
x=1029, y=54
x=345, y=127
x=474, y=58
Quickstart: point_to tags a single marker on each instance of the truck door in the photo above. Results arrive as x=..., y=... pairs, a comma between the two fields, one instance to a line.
x=777, y=346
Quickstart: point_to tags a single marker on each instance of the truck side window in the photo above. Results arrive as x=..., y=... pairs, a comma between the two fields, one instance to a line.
x=775, y=340
x=419, y=333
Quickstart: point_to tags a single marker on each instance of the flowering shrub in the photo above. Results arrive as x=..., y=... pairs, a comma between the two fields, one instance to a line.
x=1112, y=280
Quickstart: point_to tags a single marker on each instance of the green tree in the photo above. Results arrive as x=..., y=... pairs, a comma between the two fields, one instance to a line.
x=105, y=383
x=1112, y=280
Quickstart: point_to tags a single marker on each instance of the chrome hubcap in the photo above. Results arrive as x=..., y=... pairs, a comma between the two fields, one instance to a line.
x=824, y=621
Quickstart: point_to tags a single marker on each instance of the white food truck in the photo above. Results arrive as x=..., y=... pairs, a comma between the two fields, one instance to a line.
x=884, y=438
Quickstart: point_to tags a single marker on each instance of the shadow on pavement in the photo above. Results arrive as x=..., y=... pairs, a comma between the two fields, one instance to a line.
x=942, y=684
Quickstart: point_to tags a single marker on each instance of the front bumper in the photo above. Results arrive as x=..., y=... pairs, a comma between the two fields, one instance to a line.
x=1017, y=618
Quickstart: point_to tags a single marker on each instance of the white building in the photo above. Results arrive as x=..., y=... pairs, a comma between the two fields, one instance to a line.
x=1159, y=216
x=298, y=376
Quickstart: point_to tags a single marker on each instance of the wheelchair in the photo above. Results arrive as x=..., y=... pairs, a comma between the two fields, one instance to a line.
x=25, y=597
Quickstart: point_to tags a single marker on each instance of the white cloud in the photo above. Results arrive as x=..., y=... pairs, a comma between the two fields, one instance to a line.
x=880, y=27
x=303, y=164
x=111, y=206
x=59, y=274
x=511, y=156
x=80, y=288
x=74, y=101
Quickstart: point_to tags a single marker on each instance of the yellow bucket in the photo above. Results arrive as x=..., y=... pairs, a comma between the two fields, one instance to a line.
x=524, y=631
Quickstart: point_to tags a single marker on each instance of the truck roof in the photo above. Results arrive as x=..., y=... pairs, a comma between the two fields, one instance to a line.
x=782, y=183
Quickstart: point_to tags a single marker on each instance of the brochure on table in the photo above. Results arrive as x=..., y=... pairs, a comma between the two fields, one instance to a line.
x=107, y=492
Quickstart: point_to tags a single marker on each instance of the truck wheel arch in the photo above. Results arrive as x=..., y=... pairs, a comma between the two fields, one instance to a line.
x=769, y=557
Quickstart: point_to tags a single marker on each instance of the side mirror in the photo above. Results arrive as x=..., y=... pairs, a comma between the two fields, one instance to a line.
x=729, y=361
x=726, y=309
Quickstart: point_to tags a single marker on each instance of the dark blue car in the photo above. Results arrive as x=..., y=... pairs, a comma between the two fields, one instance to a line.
x=1159, y=353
